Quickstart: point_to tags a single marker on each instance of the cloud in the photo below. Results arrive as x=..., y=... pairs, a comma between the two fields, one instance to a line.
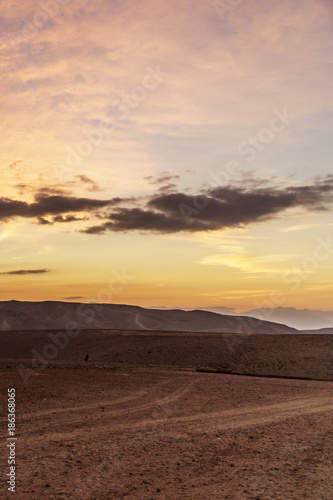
x=167, y=187
x=43, y=222
x=216, y=208
x=129, y=219
x=15, y=164
x=68, y=218
x=170, y=211
x=249, y=263
x=22, y=272
x=51, y=191
x=91, y=185
x=24, y=188
x=300, y=227
x=162, y=179
x=59, y=218
x=50, y=205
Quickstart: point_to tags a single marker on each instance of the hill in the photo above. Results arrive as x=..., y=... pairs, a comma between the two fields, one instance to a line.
x=16, y=315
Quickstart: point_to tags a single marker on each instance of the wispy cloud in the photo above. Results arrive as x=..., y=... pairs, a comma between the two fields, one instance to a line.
x=91, y=185
x=22, y=272
x=162, y=179
x=300, y=227
x=271, y=264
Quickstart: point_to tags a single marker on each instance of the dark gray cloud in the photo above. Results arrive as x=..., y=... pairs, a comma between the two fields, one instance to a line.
x=216, y=208
x=68, y=218
x=22, y=272
x=129, y=219
x=171, y=211
x=44, y=222
x=59, y=219
x=51, y=205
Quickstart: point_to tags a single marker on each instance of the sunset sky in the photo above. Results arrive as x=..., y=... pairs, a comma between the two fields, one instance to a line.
x=167, y=153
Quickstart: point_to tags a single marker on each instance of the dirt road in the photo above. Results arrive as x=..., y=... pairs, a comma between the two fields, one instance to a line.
x=157, y=433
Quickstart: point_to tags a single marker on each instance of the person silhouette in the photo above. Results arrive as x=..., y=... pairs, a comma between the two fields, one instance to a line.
x=86, y=358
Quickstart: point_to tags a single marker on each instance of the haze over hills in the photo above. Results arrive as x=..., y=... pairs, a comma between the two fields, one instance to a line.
x=321, y=331
x=16, y=315
x=301, y=319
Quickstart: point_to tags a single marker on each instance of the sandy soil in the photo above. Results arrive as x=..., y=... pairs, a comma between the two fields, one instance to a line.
x=151, y=432
x=301, y=356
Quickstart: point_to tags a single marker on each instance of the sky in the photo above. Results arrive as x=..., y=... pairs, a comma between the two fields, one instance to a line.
x=167, y=154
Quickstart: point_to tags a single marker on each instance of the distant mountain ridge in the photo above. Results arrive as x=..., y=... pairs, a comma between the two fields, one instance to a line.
x=53, y=315
x=301, y=319
x=321, y=331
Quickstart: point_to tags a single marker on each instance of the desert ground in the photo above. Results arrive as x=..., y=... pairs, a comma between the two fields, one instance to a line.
x=163, y=424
